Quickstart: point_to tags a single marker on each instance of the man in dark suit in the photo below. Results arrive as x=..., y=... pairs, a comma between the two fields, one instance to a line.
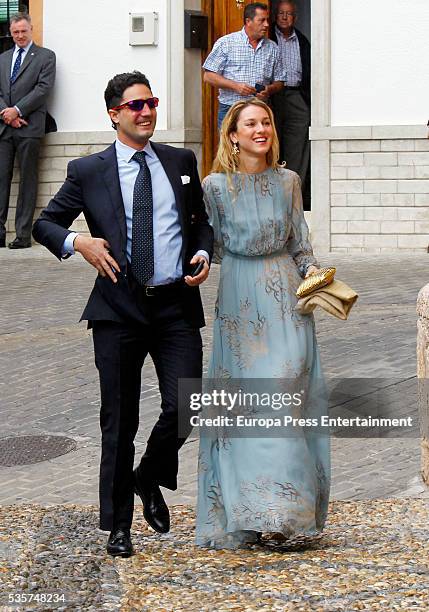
x=149, y=230
x=27, y=75
x=292, y=105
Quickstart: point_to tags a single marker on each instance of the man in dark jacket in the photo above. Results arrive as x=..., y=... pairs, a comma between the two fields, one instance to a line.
x=292, y=105
x=144, y=207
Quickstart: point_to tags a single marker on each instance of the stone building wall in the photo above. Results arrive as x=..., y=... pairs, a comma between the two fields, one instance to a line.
x=379, y=195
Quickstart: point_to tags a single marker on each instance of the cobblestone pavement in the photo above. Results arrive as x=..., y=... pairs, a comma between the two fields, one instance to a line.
x=48, y=381
x=372, y=556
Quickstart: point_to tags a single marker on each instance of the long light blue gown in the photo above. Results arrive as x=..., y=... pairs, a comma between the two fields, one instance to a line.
x=265, y=484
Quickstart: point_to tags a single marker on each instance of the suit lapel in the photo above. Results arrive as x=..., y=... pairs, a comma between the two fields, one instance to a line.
x=111, y=179
x=173, y=174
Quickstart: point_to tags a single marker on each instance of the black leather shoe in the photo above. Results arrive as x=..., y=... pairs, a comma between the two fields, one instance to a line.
x=2, y=242
x=155, y=510
x=19, y=243
x=119, y=543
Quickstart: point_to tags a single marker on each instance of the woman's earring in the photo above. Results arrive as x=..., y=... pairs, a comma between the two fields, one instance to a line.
x=235, y=149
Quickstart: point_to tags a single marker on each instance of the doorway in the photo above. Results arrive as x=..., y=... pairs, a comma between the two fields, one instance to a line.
x=226, y=16
x=303, y=29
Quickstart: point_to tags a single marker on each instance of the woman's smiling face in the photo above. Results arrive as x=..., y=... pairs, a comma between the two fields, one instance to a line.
x=254, y=132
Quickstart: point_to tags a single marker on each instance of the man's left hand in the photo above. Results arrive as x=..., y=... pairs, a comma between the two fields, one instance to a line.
x=9, y=114
x=194, y=281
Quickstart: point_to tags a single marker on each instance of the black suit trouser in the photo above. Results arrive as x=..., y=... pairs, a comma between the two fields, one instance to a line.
x=27, y=151
x=293, y=117
x=120, y=351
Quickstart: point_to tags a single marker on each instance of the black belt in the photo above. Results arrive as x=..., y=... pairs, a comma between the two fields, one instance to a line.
x=160, y=290
x=293, y=87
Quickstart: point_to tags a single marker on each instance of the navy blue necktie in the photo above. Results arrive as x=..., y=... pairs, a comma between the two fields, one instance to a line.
x=142, y=236
x=16, y=66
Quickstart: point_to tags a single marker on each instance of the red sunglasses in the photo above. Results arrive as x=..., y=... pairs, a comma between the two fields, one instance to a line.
x=138, y=105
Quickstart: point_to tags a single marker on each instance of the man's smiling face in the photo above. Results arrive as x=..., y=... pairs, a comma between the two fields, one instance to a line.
x=135, y=127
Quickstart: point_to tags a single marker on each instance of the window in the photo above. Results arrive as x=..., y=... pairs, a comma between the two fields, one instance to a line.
x=13, y=6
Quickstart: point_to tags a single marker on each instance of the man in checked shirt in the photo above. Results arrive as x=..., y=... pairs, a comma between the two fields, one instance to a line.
x=245, y=63
x=291, y=105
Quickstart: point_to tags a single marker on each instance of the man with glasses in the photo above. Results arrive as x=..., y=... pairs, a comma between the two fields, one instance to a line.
x=27, y=75
x=151, y=244
x=245, y=63
x=291, y=105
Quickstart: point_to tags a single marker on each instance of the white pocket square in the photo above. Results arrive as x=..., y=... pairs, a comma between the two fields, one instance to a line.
x=185, y=179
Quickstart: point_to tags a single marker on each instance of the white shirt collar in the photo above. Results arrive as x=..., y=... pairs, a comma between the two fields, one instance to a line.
x=25, y=48
x=126, y=153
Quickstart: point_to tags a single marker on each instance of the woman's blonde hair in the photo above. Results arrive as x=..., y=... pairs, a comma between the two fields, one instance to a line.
x=225, y=160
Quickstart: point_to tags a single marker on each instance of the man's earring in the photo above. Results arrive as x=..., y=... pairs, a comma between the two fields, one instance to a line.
x=235, y=148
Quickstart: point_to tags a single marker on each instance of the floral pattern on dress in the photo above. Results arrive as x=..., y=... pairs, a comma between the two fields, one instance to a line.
x=245, y=337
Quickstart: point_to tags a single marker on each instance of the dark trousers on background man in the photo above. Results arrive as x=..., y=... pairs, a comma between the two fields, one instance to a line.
x=27, y=152
x=293, y=117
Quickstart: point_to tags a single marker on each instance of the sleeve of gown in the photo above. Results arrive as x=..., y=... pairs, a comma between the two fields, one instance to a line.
x=298, y=243
x=212, y=212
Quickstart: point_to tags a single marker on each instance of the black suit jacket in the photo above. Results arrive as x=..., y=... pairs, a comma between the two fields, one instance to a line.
x=305, y=50
x=92, y=187
x=30, y=90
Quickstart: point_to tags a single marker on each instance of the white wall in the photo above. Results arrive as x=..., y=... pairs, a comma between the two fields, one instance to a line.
x=90, y=39
x=380, y=73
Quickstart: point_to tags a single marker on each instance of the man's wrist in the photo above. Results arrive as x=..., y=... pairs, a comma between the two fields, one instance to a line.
x=204, y=254
x=76, y=240
x=69, y=247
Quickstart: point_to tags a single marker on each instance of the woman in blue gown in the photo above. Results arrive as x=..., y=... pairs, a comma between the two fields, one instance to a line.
x=267, y=484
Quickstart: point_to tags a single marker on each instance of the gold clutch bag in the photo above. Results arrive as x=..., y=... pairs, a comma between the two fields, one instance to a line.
x=321, y=278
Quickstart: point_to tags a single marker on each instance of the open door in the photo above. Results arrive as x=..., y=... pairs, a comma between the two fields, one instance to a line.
x=225, y=16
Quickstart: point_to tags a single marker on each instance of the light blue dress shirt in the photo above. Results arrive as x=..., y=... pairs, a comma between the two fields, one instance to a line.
x=167, y=235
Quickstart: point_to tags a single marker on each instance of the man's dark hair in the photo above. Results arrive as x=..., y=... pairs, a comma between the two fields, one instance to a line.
x=250, y=10
x=119, y=83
